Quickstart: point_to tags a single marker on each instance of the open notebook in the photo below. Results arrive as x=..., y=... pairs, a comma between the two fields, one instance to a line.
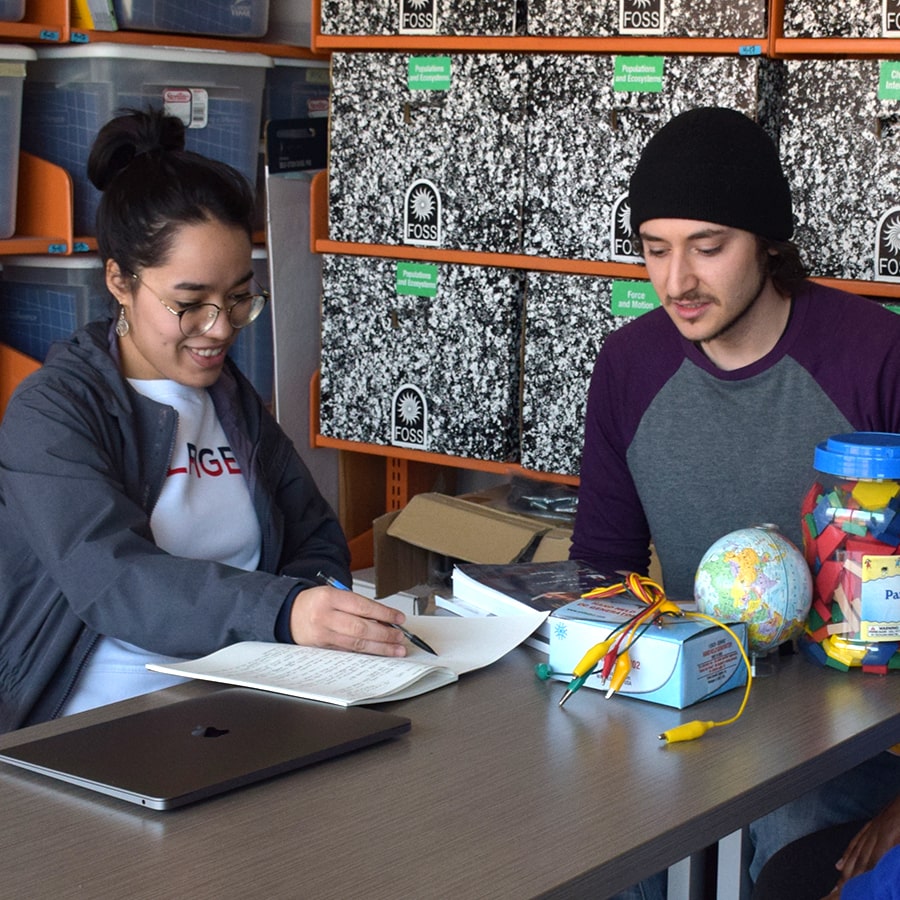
x=172, y=755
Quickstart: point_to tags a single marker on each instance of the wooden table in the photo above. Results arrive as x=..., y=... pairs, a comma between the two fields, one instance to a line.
x=496, y=792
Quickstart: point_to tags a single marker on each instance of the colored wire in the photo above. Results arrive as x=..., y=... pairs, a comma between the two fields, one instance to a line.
x=692, y=730
x=613, y=660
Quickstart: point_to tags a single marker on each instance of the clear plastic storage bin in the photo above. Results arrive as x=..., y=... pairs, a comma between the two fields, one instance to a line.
x=45, y=298
x=290, y=22
x=254, y=349
x=12, y=10
x=13, y=61
x=296, y=89
x=219, y=18
x=71, y=92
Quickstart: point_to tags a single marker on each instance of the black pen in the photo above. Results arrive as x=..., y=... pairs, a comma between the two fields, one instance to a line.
x=412, y=638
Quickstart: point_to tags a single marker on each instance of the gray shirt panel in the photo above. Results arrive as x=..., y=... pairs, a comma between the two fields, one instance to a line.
x=707, y=447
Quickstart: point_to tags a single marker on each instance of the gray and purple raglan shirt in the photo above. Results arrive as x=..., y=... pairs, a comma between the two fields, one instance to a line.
x=682, y=451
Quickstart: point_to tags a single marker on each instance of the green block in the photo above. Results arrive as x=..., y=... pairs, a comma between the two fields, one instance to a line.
x=835, y=664
x=814, y=620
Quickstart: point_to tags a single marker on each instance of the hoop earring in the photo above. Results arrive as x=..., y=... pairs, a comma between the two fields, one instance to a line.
x=122, y=326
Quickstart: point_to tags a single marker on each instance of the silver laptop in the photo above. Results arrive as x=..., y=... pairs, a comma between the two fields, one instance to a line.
x=195, y=748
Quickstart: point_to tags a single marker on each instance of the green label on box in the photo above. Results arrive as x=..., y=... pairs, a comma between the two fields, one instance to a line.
x=889, y=80
x=642, y=74
x=428, y=73
x=417, y=279
x=633, y=298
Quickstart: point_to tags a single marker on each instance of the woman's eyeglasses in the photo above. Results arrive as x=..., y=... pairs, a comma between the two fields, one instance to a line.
x=199, y=318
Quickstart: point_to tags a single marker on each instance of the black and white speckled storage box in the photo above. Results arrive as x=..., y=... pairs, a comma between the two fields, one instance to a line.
x=419, y=16
x=840, y=146
x=435, y=373
x=841, y=18
x=467, y=144
x=567, y=319
x=672, y=18
x=584, y=140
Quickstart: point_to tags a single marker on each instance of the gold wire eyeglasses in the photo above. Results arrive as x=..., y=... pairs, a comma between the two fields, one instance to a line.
x=199, y=318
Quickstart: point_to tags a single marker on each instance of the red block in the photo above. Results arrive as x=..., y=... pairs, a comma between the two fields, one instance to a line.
x=829, y=540
x=827, y=579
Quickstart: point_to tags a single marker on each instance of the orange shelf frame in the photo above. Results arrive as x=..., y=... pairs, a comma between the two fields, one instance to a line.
x=196, y=41
x=44, y=20
x=43, y=209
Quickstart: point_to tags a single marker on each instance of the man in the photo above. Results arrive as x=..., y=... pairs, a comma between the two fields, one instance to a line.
x=703, y=415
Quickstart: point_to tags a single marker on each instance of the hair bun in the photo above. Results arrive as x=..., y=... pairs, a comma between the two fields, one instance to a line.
x=131, y=134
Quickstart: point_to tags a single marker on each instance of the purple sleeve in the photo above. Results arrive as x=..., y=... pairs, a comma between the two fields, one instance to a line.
x=611, y=531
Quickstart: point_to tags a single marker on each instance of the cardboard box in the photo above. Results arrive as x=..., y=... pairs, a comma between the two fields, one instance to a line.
x=421, y=356
x=671, y=18
x=590, y=117
x=676, y=664
x=567, y=319
x=419, y=17
x=418, y=544
x=850, y=19
x=840, y=146
x=444, y=150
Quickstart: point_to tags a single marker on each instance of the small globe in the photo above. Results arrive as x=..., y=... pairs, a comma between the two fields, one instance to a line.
x=756, y=575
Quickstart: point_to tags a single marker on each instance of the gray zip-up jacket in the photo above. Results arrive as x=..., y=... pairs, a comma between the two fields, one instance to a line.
x=83, y=458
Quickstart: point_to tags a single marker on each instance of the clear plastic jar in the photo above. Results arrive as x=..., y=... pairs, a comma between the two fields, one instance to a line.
x=851, y=540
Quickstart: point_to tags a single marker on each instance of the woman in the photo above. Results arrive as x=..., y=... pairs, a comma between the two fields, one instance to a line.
x=151, y=508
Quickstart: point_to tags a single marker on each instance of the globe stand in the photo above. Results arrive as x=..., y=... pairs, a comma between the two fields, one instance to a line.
x=760, y=665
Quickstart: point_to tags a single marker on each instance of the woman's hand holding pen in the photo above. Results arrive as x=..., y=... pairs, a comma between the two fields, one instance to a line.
x=342, y=620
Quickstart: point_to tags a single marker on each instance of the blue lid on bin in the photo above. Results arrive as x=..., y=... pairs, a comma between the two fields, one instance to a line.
x=861, y=454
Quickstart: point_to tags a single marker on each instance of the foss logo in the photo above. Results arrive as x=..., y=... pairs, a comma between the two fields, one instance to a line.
x=409, y=418
x=887, y=246
x=891, y=18
x=418, y=17
x=422, y=214
x=624, y=245
x=641, y=16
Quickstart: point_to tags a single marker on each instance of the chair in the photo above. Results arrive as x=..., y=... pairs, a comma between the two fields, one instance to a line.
x=14, y=366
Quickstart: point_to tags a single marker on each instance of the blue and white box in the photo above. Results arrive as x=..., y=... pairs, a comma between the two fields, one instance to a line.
x=677, y=663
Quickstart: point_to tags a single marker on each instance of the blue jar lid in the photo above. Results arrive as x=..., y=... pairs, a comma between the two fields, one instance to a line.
x=861, y=454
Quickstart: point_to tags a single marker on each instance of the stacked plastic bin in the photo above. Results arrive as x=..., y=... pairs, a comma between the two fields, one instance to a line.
x=71, y=92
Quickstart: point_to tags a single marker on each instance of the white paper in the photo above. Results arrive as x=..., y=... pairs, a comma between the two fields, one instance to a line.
x=347, y=679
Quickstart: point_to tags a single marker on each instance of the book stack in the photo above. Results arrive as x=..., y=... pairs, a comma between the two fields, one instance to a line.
x=509, y=589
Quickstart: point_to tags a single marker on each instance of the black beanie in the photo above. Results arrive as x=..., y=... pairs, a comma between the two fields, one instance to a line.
x=714, y=165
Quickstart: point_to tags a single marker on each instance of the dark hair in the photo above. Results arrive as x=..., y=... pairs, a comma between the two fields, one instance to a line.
x=786, y=267
x=152, y=186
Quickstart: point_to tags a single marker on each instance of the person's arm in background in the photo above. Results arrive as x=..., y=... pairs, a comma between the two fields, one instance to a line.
x=611, y=531
x=872, y=859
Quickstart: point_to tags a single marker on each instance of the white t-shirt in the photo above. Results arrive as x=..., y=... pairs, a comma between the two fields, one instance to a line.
x=204, y=511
